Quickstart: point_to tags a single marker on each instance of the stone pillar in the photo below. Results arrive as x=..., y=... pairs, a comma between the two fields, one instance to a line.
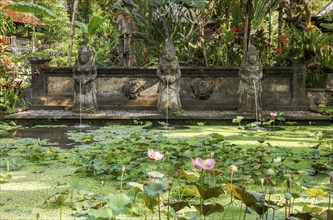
x=299, y=98
x=38, y=83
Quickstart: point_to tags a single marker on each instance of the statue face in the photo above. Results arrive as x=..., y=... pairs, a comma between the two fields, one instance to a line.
x=168, y=54
x=83, y=58
x=85, y=55
x=252, y=59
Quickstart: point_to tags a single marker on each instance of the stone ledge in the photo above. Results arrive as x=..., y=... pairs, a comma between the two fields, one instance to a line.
x=146, y=115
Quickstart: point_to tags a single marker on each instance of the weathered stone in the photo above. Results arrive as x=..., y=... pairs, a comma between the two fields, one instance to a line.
x=250, y=89
x=169, y=73
x=84, y=75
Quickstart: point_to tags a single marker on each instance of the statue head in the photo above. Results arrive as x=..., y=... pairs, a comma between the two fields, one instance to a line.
x=85, y=54
x=169, y=50
x=252, y=55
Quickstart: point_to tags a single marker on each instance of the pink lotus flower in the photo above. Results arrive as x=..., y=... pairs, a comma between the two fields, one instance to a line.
x=203, y=164
x=155, y=155
x=273, y=114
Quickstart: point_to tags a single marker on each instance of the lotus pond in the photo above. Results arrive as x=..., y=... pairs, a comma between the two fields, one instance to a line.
x=204, y=172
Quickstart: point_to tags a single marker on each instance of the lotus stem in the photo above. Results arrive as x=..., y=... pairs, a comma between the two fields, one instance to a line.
x=330, y=195
x=159, y=207
x=121, y=178
x=169, y=193
x=60, y=212
x=244, y=217
x=286, y=210
x=201, y=199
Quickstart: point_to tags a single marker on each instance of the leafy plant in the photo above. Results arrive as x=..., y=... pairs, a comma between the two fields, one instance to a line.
x=92, y=27
x=30, y=8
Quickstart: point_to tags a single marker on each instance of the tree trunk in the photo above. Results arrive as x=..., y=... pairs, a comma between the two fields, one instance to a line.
x=71, y=35
x=203, y=44
x=307, y=13
x=280, y=23
x=247, y=23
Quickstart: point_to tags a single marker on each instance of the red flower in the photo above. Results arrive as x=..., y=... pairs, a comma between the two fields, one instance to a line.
x=284, y=38
x=278, y=49
x=2, y=41
x=235, y=29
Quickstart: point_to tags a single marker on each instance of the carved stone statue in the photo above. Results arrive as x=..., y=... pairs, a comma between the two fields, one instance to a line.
x=84, y=75
x=250, y=88
x=169, y=74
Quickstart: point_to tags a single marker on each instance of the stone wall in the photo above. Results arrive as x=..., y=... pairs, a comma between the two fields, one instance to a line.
x=201, y=88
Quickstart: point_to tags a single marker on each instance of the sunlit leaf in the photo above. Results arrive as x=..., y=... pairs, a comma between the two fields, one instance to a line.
x=95, y=23
x=30, y=8
x=58, y=198
x=316, y=192
x=118, y=203
x=103, y=213
x=217, y=137
x=189, y=175
x=4, y=178
x=83, y=27
x=154, y=174
x=314, y=209
x=138, y=187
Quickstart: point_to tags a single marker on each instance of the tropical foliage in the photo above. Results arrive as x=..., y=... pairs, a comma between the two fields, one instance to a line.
x=206, y=33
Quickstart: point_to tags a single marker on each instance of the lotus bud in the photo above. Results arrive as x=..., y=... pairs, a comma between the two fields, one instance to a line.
x=123, y=168
x=288, y=196
x=233, y=168
x=270, y=172
x=272, y=190
x=277, y=160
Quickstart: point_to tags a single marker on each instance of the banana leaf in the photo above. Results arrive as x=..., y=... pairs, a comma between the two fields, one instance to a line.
x=30, y=8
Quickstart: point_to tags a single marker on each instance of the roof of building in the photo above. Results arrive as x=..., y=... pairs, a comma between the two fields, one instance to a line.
x=19, y=17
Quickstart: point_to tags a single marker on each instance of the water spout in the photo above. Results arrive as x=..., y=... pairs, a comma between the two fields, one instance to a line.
x=80, y=113
x=80, y=110
x=255, y=97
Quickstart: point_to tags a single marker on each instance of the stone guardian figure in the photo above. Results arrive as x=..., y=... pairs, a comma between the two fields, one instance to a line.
x=250, y=89
x=169, y=73
x=84, y=75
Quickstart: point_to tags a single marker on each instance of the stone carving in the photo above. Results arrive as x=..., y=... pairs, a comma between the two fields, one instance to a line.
x=126, y=27
x=132, y=89
x=319, y=98
x=84, y=75
x=250, y=88
x=202, y=89
x=169, y=74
